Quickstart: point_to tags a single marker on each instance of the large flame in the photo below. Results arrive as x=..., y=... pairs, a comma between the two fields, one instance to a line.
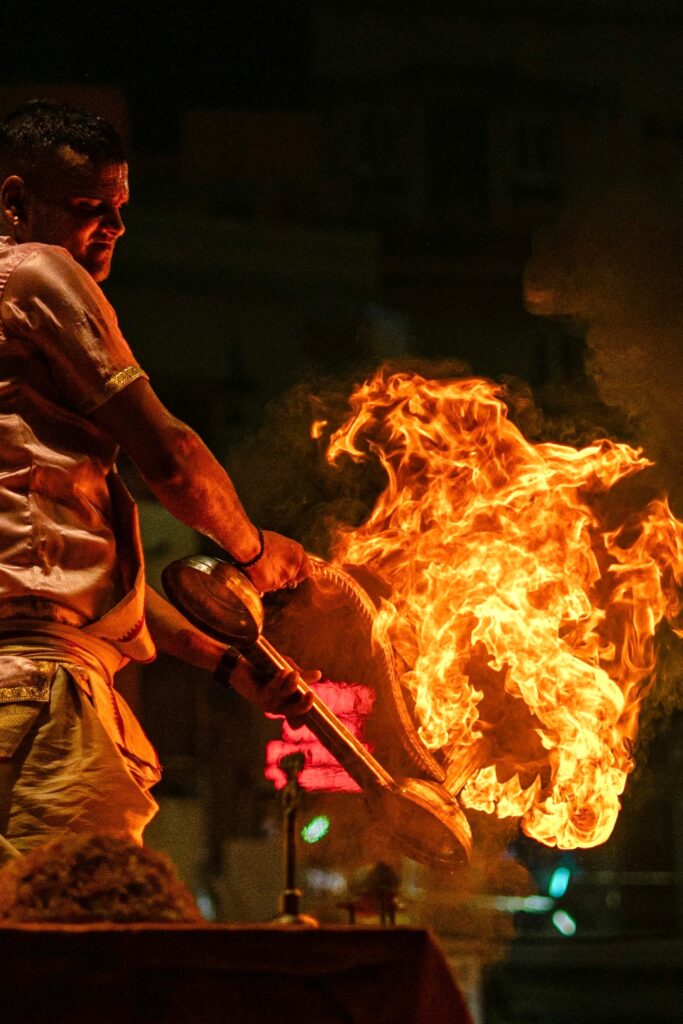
x=521, y=622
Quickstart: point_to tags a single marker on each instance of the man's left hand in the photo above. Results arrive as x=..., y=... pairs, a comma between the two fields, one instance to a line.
x=284, y=563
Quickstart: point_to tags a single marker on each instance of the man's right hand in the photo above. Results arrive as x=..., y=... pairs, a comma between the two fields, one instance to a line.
x=280, y=694
x=284, y=563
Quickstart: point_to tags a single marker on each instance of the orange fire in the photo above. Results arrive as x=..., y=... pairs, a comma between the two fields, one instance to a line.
x=522, y=624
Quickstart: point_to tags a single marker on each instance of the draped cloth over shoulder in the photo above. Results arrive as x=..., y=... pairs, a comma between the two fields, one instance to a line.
x=68, y=531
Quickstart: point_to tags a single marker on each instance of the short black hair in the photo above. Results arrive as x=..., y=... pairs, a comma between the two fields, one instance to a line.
x=33, y=134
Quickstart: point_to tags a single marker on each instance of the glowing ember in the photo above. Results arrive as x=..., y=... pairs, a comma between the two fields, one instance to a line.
x=317, y=428
x=515, y=613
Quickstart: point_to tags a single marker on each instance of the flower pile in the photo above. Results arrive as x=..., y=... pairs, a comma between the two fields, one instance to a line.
x=88, y=878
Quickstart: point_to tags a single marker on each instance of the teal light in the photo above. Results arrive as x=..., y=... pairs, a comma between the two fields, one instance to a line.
x=316, y=829
x=564, y=922
x=558, y=883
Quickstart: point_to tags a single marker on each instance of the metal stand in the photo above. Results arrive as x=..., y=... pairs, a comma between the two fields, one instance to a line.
x=290, y=899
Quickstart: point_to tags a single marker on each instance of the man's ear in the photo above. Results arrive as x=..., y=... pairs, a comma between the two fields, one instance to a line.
x=13, y=200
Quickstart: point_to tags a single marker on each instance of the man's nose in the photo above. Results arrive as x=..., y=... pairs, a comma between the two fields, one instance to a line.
x=113, y=221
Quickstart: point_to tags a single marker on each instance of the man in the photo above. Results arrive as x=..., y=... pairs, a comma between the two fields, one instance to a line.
x=73, y=603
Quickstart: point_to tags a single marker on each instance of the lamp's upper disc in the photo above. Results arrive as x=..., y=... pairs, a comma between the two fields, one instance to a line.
x=216, y=597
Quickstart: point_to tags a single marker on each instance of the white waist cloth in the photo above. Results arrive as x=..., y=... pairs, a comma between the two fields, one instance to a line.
x=66, y=776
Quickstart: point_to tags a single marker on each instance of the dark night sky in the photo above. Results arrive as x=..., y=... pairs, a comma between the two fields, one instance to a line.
x=164, y=55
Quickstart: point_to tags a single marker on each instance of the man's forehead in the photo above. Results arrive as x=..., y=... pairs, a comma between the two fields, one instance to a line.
x=83, y=176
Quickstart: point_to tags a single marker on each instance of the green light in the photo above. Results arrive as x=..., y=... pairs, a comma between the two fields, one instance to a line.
x=316, y=829
x=559, y=882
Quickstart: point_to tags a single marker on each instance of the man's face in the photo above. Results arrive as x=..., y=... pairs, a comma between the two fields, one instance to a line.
x=77, y=204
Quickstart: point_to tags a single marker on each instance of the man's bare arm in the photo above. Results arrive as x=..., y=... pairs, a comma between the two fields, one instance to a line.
x=174, y=635
x=192, y=485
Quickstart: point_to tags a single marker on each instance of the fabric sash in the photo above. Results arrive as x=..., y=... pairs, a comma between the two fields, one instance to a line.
x=92, y=664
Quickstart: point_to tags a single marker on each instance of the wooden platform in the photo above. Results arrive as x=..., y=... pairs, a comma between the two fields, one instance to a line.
x=178, y=974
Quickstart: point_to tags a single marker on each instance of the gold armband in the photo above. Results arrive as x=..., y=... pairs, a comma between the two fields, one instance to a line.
x=120, y=380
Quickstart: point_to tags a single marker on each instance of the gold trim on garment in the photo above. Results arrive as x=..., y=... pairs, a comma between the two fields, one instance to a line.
x=120, y=380
x=38, y=691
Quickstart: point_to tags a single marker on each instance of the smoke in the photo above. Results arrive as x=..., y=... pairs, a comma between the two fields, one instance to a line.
x=464, y=904
x=612, y=270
